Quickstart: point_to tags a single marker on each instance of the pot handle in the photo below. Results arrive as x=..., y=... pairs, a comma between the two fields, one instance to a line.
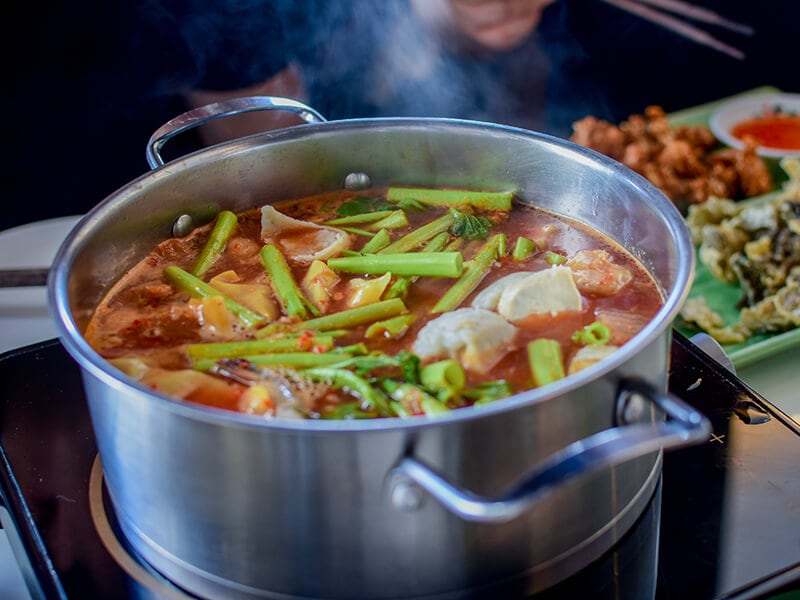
x=684, y=426
x=217, y=110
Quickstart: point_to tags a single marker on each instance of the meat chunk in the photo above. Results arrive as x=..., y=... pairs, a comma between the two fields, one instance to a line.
x=597, y=274
x=477, y=338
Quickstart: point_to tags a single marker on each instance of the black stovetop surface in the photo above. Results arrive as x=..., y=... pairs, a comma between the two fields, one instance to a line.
x=728, y=525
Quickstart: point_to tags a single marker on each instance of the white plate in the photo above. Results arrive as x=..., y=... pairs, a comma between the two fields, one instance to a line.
x=733, y=112
x=24, y=316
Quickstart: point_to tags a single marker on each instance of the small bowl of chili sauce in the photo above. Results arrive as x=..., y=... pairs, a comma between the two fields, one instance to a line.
x=772, y=121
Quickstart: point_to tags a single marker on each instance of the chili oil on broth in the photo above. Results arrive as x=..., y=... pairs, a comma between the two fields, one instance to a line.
x=144, y=317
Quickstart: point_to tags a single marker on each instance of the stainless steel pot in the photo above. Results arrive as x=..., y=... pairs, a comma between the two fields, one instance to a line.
x=506, y=498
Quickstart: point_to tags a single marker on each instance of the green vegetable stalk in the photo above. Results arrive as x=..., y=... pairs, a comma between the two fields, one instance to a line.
x=291, y=298
x=523, y=248
x=215, y=246
x=369, y=217
x=474, y=271
x=392, y=328
x=414, y=400
x=198, y=288
x=488, y=391
x=545, y=360
x=379, y=241
x=434, y=264
x=342, y=378
x=420, y=235
x=485, y=200
x=596, y=333
x=446, y=377
x=218, y=350
x=399, y=288
x=357, y=316
x=292, y=360
x=396, y=219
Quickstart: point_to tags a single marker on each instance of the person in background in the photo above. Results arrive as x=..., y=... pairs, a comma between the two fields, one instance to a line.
x=436, y=58
x=87, y=83
x=540, y=64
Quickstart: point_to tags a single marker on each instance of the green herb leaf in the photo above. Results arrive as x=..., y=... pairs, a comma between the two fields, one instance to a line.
x=471, y=227
x=362, y=204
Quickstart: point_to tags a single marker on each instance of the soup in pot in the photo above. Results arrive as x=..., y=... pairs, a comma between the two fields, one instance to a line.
x=386, y=303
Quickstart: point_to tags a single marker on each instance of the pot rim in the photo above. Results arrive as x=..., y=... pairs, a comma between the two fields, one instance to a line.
x=100, y=368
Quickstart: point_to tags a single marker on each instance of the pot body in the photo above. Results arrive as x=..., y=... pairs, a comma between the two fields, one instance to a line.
x=229, y=505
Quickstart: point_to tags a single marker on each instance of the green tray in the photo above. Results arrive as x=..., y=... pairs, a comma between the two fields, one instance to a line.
x=722, y=297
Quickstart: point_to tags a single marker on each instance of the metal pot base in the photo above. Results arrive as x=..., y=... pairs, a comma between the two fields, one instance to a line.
x=536, y=579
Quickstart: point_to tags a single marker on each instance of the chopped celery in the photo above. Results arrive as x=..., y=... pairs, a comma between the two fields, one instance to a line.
x=357, y=316
x=215, y=246
x=474, y=271
x=289, y=295
x=420, y=235
x=434, y=264
x=478, y=199
x=545, y=360
x=596, y=333
x=249, y=347
x=393, y=328
x=523, y=248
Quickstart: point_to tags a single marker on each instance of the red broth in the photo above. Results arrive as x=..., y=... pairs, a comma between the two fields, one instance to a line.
x=146, y=325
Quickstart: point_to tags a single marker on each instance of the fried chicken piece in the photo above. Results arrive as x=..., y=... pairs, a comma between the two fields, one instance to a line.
x=683, y=161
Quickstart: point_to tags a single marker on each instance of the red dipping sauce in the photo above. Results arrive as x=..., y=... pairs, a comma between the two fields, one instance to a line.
x=778, y=131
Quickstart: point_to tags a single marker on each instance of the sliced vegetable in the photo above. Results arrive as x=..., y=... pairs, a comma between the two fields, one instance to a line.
x=523, y=248
x=361, y=292
x=399, y=288
x=596, y=333
x=379, y=241
x=357, y=316
x=257, y=297
x=474, y=271
x=289, y=295
x=360, y=218
x=446, y=377
x=393, y=328
x=215, y=246
x=292, y=360
x=349, y=381
x=318, y=285
x=397, y=218
x=420, y=235
x=478, y=199
x=545, y=360
x=554, y=258
x=488, y=391
x=200, y=289
x=433, y=264
x=250, y=347
x=414, y=400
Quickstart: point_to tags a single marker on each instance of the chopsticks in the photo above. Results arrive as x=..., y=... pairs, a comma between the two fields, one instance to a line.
x=10, y=278
x=642, y=8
